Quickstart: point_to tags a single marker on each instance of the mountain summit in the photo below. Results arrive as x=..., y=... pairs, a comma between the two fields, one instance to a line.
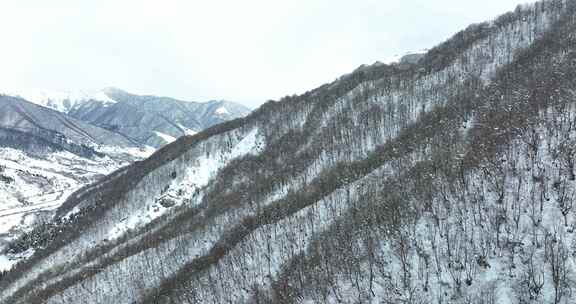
x=149, y=120
x=154, y=120
x=62, y=101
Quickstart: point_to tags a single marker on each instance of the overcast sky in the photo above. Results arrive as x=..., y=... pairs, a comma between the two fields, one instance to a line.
x=247, y=51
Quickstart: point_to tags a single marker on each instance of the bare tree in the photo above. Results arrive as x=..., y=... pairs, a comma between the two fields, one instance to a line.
x=557, y=255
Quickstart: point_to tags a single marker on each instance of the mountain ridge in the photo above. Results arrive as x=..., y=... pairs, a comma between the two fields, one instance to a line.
x=25, y=116
x=395, y=183
x=150, y=120
x=46, y=154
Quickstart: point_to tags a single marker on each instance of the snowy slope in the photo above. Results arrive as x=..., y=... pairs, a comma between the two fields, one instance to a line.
x=167, y=138
x=44, y=182
x=194, y=179
x=450, y=180
x=62, y=101
x=155, y=120
x=33, y=186
x=149, y=120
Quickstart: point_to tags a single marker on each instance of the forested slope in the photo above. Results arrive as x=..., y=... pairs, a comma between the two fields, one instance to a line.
x=450, y=180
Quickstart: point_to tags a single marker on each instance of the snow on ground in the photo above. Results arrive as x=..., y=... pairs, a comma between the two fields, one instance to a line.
x=30, y=184
x=62, y=101
x=130, y=152
x=167, y=138
x=196, y=176
x=7, y=261
x=186, y=130
x=222, y=111
x=33, y=185
x=101, y=96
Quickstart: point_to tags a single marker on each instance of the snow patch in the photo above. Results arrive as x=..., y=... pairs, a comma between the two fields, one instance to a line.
x=136, y=152
x=187, y=131
x=9, y=260
x=38, y=184
x=187, y=189
x=222, y=111
x=62, y=101
x=167, y=138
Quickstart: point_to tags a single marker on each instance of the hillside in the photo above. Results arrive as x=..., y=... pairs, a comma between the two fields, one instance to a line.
x=152, y=120
x=446, y=179
x=19, y=115
x=149, y=120
x=46, y=155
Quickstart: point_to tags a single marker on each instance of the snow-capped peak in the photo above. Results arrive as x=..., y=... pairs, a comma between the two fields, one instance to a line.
x=222, y=111
x=62, y=101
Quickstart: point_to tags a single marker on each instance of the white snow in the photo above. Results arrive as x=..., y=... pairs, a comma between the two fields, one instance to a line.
x=101, y=96
x=222, y=111
x=186, y=130
x=41, y=184
x=5, y=263
x=167, y=138
x=196, y=176
x=62, y=101
x=8, y=261
x=136, y=152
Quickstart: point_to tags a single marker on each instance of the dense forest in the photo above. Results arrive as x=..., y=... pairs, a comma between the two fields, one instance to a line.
x=446, y=180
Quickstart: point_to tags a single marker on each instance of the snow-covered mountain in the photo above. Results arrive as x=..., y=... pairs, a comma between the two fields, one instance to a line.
x=62, y=101
x=450, y=179
x=19, y=115
x=46, y=154
x=32, y=185
x=153, y=120
x=150, y=120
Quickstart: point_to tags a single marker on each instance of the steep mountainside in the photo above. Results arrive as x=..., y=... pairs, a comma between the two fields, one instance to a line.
x=33, y=185
x=39, y=123
x=152, y=120
x=45, y=155
x=445, y=180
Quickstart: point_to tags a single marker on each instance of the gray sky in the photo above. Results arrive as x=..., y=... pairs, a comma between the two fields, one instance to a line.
x=247, y=51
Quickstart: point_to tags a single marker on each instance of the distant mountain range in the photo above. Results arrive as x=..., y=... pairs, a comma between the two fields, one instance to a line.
x=145, y=119
x=61, y=101
x=25, y=124
x=52, y=144
x=153, y=120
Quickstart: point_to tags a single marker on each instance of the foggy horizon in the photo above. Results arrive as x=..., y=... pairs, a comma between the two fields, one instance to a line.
x=245, y=52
